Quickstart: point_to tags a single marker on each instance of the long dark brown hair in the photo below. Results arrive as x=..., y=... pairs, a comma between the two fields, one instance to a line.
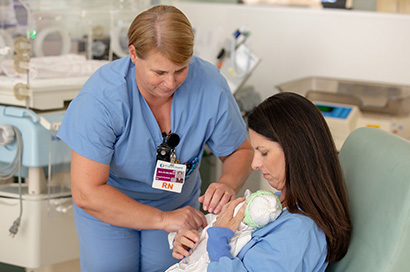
x=314, y=180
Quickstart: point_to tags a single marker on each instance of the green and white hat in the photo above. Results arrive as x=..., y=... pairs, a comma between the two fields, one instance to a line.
x=262, y=208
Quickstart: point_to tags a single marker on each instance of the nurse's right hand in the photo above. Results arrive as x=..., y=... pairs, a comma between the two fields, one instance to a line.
x=183, y=242
x=183, y=218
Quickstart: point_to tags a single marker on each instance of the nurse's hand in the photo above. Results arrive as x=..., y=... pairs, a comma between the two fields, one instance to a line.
x=216, y=196
x=183, y=218
x=184, y=241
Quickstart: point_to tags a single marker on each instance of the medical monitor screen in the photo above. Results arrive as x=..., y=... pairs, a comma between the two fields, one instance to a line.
x=325, y=108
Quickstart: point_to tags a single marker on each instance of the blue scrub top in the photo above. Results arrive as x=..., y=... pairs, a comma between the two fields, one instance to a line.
x=110, y=122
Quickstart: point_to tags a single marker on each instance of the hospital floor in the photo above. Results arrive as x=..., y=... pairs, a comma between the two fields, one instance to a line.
x=69, y=266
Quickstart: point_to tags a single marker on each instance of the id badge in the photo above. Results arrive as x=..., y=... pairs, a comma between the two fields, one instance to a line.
x=169, y=176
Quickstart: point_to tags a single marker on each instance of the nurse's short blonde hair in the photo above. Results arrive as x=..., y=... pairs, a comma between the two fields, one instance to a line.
x=165, y=29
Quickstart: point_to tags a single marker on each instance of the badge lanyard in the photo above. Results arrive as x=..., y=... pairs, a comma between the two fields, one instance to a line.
x=169, y=174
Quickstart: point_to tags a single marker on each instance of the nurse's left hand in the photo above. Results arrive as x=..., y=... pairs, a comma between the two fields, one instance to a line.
x=216, y=196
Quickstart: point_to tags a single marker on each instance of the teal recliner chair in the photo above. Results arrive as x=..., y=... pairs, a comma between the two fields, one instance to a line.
x=376, y=165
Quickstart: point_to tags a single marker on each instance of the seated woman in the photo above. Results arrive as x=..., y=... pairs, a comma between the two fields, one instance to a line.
x=294, y=150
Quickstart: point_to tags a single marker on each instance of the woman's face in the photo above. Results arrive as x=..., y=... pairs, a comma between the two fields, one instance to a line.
x=268, y=157
x=157, y=76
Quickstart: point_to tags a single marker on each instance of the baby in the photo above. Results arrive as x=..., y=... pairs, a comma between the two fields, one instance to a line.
x=262, y=208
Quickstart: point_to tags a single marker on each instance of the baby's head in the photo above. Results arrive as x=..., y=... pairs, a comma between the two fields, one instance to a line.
x=262, y=208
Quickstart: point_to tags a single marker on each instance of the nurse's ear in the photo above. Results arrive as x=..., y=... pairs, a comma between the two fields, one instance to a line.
x=132, y=53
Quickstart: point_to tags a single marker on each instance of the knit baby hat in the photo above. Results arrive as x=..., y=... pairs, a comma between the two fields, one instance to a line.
x=262, y=208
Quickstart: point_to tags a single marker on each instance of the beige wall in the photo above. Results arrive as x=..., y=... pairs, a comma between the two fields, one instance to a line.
x=394, y=6
x=298, y=42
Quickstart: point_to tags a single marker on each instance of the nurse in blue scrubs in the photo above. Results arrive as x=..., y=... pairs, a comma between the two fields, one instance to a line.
x=124, y=205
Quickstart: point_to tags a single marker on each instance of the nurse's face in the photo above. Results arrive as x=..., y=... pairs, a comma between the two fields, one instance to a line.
x=268, y=157
x=157, y=76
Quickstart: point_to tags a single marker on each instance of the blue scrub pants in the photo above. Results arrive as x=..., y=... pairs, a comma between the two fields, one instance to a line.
x=107, y=248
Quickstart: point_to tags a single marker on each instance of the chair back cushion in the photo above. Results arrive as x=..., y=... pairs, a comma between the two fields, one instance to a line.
x=376, y=166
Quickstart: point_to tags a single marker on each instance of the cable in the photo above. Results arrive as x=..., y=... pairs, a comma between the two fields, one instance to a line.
x=11, y=169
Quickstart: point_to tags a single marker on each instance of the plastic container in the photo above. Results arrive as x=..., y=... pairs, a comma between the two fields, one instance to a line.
x=375, y=97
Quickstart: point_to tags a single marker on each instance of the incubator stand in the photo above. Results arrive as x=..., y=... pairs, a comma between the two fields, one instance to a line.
x=33, y=108
x=349, y=104
x=46, y=234
x=45, y=60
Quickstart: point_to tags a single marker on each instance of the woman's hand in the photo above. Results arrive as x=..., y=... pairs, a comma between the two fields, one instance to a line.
x=216, y=196
x=226, y=219
x=184, y=241
x=183, y=218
